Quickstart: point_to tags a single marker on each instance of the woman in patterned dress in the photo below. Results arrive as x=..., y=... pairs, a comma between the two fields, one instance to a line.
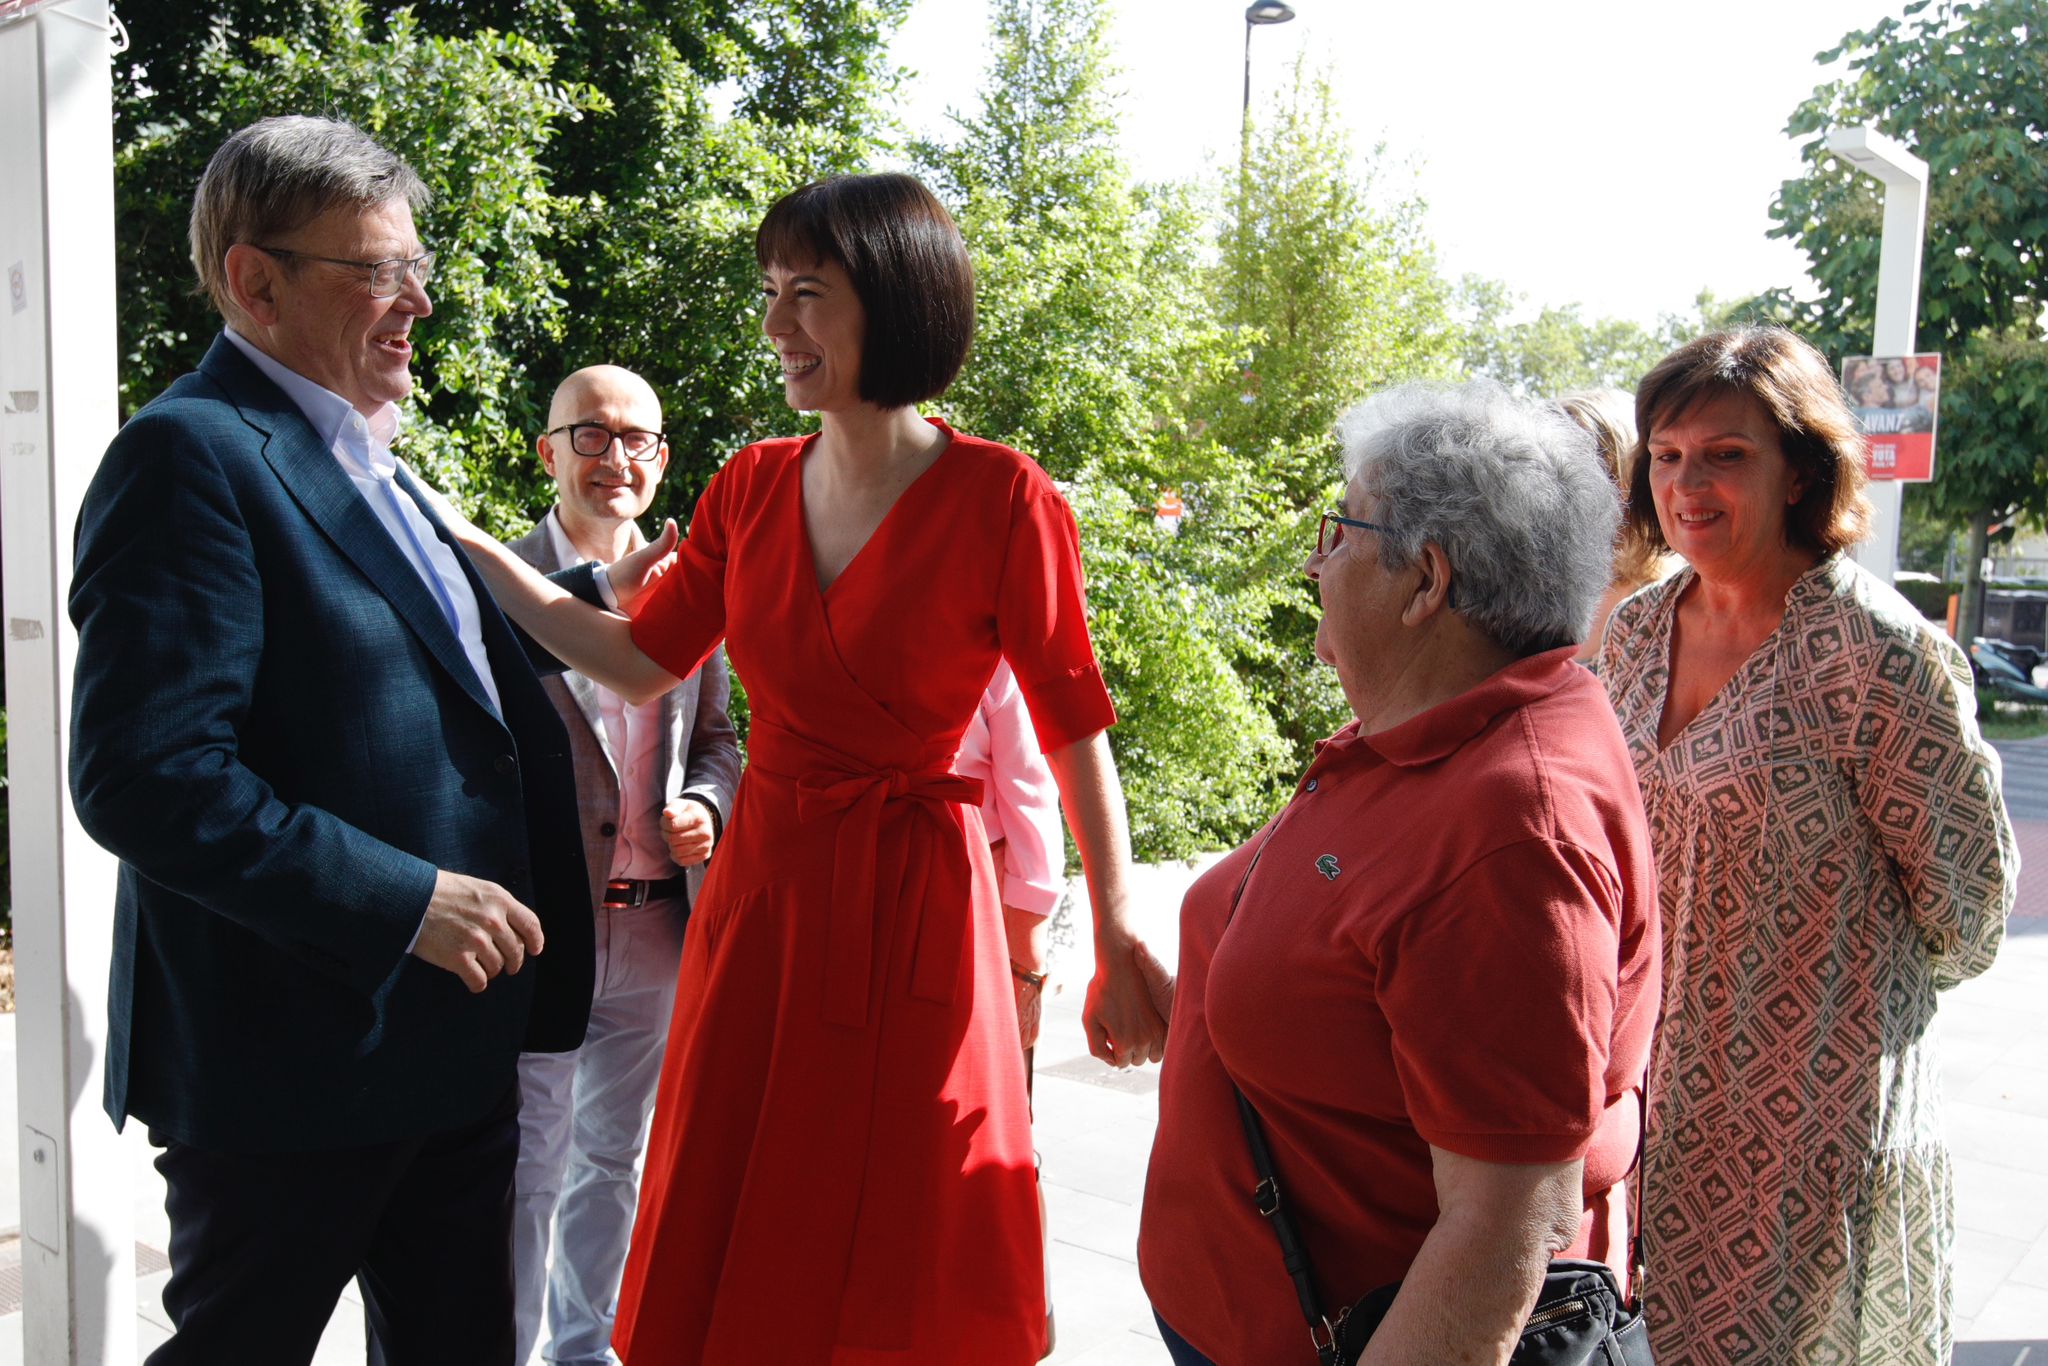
x=1832, y=852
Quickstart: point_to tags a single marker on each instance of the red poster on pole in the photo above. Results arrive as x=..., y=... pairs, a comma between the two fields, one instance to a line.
x=1897, y=400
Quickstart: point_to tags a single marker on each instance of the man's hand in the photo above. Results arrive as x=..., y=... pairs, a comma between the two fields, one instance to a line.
x=1125, y=1028
x=476, y=930
x=687, y=828
x=637, y=571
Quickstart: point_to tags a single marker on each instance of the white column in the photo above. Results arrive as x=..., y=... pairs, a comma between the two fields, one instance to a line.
x=57, y=413
x=1898, y=298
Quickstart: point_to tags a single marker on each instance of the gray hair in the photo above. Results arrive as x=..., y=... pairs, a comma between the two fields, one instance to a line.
x=279, y=174
x=1511, y=490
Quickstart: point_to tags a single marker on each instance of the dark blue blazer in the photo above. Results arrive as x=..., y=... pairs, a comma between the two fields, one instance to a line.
x=277, y=733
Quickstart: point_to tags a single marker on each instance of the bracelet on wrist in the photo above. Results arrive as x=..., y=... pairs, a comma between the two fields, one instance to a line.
x=1027, y=976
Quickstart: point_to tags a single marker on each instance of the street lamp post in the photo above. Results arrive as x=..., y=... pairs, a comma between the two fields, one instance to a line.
x=1898, y=298
x=1256, y=15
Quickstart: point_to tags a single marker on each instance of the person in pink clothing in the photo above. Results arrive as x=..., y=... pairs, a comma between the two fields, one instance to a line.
x=1020, y=809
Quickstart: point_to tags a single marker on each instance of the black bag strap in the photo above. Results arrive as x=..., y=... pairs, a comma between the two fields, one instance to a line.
x=1267, y=1197
x=1322, y=1334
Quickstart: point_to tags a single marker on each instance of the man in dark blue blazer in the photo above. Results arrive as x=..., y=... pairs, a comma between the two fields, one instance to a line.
x=343, y=804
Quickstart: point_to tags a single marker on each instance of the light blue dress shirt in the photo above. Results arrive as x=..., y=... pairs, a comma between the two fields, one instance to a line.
x=363, y=446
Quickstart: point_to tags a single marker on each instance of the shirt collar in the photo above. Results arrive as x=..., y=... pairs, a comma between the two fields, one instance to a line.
x=1444, y=728
x=363, y=444
x=566, y=555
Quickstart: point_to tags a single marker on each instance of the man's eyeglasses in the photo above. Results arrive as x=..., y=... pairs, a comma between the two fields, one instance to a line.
x=1330, y=531
x=386, y=277
x=593, y=439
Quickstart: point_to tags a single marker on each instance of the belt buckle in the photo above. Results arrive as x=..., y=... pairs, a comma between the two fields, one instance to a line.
x=624, y=894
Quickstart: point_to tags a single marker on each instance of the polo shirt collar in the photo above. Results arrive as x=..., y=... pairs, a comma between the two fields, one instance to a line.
x=1446, y=727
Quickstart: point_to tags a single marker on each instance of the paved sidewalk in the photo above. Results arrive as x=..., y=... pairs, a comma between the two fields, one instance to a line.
x=1095, y=1129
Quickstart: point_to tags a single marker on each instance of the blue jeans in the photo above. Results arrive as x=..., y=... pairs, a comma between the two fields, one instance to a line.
x=1177, y=1346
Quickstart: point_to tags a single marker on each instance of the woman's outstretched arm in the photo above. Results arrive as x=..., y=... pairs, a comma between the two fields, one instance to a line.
x=594, y=642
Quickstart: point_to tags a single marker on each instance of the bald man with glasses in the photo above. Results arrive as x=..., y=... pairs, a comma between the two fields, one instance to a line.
x=654, y=782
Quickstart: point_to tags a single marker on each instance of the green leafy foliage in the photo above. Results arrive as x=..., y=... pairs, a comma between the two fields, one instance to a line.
x=592, y=203
x=1965, y=86
x=600, y=167
x=1092, y=333
x=1327, y=283
x=1560, y=351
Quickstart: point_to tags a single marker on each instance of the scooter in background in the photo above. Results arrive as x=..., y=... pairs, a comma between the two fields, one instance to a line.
x=2008, y=671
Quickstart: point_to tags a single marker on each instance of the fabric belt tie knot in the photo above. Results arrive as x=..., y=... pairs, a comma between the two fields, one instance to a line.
x=850, y=928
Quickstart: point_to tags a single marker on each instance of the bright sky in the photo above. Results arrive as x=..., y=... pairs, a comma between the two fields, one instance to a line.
x=1617, y=153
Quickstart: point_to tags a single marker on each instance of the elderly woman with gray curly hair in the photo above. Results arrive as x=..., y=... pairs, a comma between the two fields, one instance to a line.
x=1432, y=976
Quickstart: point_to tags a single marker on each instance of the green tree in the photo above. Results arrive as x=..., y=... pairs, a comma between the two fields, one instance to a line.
x=1965, y=86
x=597, y=205
x=1328, y=283
x=1560, y=351
x=1328, y=280
x=1092, y=331
x=473, y=116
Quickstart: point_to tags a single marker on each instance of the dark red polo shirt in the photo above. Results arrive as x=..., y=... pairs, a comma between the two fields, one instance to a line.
x=1449, y=939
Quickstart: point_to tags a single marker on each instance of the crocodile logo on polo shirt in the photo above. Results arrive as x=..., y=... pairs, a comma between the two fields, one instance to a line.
x=1327, y=866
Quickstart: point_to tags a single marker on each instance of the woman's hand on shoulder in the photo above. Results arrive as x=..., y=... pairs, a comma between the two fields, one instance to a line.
x=634, y=574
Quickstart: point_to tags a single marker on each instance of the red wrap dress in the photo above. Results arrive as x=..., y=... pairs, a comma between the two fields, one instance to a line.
x=840, y=1167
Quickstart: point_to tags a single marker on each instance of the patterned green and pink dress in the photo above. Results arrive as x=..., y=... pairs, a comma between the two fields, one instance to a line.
x=1832, y=851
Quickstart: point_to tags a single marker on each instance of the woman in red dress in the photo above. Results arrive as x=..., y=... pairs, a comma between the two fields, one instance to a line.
x=840, y=1168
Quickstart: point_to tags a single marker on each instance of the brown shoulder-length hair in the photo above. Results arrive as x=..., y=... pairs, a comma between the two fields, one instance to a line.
x=1792, y=382
x=908, y=266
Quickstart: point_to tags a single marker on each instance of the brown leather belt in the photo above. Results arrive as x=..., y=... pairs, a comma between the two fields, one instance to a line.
x=631, y=893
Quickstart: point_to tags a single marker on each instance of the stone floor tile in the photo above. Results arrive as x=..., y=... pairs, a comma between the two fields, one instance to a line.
x=149, y=1300
x=2033, y=1268
x=1132, y=1349
x=2014, y=1311
x=1097, y=1301
x=1102, y=1225
x=2000, y=1200
x=1988, y=1134
x=1982, y=1262
x=2008, y=1087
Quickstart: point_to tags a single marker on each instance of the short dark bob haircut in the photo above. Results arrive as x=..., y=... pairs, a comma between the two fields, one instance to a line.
x=1791, y=382
x=908, y=265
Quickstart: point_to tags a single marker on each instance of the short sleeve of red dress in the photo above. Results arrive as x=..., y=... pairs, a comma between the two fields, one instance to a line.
x=1042, y=620
x=1499, y=996
x=683, y=618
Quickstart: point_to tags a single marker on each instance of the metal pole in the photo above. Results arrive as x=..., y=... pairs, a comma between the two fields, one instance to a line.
x=1244, y=118
x=57, y=413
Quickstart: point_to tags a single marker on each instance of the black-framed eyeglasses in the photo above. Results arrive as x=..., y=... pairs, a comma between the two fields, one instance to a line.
x=592, y=439
x=1328, y=540
x=386, y=277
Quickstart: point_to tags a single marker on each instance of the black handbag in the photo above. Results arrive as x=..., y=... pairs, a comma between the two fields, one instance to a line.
x=1579, y=1318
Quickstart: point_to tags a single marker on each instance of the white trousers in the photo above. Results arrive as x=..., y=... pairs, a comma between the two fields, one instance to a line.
x=582, y=1128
